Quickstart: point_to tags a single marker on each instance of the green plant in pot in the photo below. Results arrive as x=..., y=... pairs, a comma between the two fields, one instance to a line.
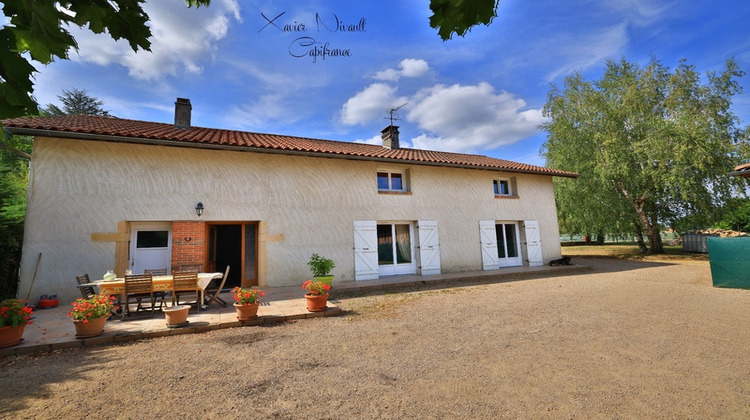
x=321, y=268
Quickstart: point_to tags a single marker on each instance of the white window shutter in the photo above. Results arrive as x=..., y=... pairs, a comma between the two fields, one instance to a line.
x=488, y=239
x=533, y=243
x=365, y=250
x=429, y=247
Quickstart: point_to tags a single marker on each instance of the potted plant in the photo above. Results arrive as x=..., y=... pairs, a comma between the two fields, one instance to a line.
x=246, y=302
x=90, y=315
x=14, y=316
x=176, y=316
x=317, y=295
x=321, y=268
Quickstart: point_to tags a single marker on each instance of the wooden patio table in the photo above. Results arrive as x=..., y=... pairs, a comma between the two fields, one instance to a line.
x=116, y=287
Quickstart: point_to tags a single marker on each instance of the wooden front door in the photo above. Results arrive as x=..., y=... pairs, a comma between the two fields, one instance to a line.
x=234, y=244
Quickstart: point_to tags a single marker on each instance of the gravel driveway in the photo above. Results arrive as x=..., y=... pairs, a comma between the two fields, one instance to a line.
x=628, y=340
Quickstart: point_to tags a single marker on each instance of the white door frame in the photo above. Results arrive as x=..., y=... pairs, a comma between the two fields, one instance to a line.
x=510, y=261
x=150, y=258
x=396, y=268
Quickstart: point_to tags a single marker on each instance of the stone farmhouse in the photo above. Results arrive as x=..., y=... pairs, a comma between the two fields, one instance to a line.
x=109, y=193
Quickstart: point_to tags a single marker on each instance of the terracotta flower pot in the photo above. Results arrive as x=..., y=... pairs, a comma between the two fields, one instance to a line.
x=176, y=316
x=246, y=312
x=316, y=303
x=92, y=328
x=10, y=336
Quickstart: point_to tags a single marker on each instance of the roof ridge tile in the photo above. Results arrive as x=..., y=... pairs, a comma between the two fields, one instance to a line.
x=90, y=126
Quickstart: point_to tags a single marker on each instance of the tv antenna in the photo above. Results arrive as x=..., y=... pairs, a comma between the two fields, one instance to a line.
x=392, y=118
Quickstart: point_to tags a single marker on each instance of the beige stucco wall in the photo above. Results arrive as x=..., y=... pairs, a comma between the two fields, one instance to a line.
x=77, y=188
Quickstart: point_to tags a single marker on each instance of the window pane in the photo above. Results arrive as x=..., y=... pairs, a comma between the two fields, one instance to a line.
x=504, y=189
x=382, y=181
x=494, y=186
x=510, y=238
x=385, y=245
x=152, y=239
x=500, y=241
x=396, y=183
x=403, y=244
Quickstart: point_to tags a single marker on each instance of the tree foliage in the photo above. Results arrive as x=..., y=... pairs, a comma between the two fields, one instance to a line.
x=13, y=181
x=37, y=29
x=651, y=145
x=459, y=16
x=76, y=102
x=736, y=216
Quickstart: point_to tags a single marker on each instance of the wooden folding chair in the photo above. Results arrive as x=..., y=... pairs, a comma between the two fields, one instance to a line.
x=192, y=267
x=86, y=291
x=212, y=293
x=140, y=287
x=157, y=272
x=185, y=283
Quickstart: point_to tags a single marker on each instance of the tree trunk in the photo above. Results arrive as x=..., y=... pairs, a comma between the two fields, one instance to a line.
x=650, y=226
x=639, y=236
x=651, y=229
x=657, y=246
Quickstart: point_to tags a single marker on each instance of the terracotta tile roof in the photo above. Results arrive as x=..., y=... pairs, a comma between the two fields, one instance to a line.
x=123, y=130
x=741, y=170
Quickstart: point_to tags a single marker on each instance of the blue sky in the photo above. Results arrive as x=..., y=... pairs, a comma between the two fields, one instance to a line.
x=482, y=93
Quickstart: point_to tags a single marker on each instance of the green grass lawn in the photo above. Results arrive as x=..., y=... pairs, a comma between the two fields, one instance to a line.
x=631, y=252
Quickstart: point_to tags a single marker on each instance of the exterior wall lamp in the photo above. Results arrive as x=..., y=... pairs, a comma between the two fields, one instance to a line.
x=199, y=209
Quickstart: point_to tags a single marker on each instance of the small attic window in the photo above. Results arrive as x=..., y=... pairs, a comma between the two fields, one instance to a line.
x=505, y=187
x=393, y=181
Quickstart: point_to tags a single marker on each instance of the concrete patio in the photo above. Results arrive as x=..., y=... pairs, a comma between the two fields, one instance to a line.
x=52, y=329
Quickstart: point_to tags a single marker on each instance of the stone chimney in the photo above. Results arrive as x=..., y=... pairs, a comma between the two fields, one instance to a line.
x=390, y=137
x=182, y=110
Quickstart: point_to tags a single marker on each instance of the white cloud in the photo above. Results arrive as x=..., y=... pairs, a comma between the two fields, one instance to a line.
x=467, y=118
x=372, y=102
x=580, y=52
x=641, y=12
x=183, y=39
x=461, y=118
x=256, y=114
x=603, y=32
x=410, y=67
x=377, y=140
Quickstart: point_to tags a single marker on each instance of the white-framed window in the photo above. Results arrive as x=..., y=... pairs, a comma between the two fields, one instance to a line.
x=390, y=180
x=504, y=187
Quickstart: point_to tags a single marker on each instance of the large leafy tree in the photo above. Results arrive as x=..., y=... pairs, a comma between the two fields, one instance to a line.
x=76, y=102
x=651, y=145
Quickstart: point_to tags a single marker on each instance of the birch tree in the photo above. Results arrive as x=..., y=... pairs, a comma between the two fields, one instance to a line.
x=650, y=144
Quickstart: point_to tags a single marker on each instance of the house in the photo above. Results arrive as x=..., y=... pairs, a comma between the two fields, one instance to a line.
x=109, y=193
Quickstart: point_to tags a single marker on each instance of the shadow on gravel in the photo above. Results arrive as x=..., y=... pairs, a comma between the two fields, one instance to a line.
x=612, y=265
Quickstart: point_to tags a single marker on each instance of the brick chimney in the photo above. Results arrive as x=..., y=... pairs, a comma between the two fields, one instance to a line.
x=182, y=110
x=390, y=137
